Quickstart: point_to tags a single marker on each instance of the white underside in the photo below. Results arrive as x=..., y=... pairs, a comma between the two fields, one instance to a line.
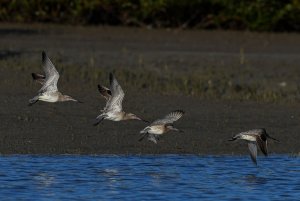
x=250, y=138
x=114, y=116
x=156, y=130
x=48, y=98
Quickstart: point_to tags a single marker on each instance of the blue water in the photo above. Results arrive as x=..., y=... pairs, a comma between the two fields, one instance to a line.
x=165, y=177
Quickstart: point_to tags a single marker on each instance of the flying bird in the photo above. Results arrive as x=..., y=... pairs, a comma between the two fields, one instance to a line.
x=161, y=126
x=49, y=91
x=114, y=97
x=255, y=137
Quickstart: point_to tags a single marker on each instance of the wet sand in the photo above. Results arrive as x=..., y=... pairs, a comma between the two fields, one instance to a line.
x=66, y=128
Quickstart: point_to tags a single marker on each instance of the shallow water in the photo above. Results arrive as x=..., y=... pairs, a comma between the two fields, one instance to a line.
x=163, y=177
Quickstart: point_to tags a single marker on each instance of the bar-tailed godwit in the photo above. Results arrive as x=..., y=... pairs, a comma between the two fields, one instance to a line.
x=113, y=109
x=255, y=137
x=161, y=126
x=49, y=91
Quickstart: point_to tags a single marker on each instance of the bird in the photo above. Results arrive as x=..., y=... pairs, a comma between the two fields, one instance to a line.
x=114, y=97
x=255, y=137
x=49, y=91
x=161, y=126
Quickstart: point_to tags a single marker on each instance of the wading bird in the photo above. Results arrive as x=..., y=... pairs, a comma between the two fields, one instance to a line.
x=255, y=137
x=113, y=109
x=161, y=126
x=49, y=91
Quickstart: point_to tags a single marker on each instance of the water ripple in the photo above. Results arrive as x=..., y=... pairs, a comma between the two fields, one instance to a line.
x=164, y=177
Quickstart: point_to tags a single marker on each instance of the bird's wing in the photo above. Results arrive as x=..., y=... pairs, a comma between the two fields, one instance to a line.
x=170, y=118
x=38, y=78
x=253, y=151
x=105, y=92
x=117, y=95
x=152, y=138
x=51, y=73
x=262, y=143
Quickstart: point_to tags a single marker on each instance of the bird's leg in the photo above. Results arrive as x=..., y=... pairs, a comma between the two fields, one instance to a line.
x=99, y=119
x=33, y=100
x=143, y=136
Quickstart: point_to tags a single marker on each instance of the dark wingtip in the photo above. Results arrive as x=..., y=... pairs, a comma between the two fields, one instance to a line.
x=232, y=139
x=263, y=129
x=111, y=77
x=100, y=88
x=44, y=57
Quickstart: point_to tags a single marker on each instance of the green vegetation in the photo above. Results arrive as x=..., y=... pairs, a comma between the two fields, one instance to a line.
x=233, y=83
x=257, y=15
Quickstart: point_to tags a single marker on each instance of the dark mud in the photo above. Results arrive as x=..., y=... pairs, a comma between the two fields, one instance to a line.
x=66, y=128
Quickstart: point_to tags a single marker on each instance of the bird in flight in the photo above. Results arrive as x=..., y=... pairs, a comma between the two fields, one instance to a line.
x=161, y=126
x=114, y=97
x=253, y=138
x=49, y=91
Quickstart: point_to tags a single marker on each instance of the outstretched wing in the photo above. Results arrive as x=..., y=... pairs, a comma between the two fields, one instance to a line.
x=253, y=151
x=51, y=73
x=262, y=143
x=117, y=95
x=170, y=118
x=105, y=92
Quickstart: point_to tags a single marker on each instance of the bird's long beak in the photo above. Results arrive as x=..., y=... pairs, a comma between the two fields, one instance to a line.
x=75, y=100
x=273, y=139
x=137, y=118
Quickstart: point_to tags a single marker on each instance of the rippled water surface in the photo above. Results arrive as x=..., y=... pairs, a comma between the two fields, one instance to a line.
x=164, y=177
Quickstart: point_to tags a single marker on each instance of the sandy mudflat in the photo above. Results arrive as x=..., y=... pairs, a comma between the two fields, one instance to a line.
x=66, y=128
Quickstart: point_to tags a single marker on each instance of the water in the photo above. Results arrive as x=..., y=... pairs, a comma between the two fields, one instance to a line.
x=164, y=177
